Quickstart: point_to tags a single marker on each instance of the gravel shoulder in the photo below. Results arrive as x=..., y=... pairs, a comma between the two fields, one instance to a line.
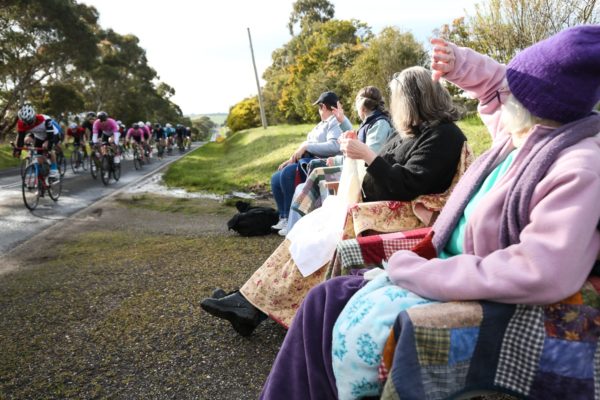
x=107, y=306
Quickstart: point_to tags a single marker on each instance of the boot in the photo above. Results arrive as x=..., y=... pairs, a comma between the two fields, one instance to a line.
x=242, y=315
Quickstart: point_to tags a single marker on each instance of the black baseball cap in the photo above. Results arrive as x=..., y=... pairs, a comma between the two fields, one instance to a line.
x=327, y=98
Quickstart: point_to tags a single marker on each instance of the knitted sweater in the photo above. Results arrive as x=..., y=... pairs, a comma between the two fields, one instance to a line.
x=423, y=163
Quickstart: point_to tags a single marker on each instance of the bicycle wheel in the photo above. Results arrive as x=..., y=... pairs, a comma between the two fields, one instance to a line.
x=61, y=162
x=25, y=162
x=116, y=171
x=137, y=162
x=31, y=187
x=105, y=169
x=84, y=161
x=75, y=163
x=94, y=166
x=55, y=188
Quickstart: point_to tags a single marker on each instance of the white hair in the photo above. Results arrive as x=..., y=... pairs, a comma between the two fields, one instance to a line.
x=517, y=120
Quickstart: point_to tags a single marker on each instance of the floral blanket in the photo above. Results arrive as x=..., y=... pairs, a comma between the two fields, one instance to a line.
x=536, y=352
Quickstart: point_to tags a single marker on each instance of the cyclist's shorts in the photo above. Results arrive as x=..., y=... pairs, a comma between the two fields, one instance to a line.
x=105, y=138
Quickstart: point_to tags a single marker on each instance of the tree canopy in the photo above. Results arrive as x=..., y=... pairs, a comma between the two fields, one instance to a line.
x=54, y=54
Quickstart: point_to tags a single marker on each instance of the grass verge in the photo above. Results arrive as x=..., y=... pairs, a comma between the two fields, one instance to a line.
x=107, y=311
x=6, y=158
x=246, y=160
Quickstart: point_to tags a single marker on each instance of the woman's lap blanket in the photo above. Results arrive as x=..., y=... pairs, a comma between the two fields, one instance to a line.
x=437, y=351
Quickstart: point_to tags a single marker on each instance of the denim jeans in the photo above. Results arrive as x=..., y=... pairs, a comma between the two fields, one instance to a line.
x=282, y=185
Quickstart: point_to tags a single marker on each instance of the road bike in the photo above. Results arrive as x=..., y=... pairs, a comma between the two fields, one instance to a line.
x=108, y=166
x=79, y=159
x=35, y=179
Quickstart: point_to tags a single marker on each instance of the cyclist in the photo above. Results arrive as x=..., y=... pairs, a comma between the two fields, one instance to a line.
x=88, y=123
x=158, y=133
x=180, y=132
x=188, y=137
x=170, y=133
x=77, y=133
x=109, y=130
x=136, y=137
x=147, y=136
x=36, y=128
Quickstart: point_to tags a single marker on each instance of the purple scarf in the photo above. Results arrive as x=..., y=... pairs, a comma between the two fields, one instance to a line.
x=515, y=211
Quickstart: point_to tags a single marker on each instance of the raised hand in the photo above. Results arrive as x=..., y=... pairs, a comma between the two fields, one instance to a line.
x=338, y=112
x=442, y=58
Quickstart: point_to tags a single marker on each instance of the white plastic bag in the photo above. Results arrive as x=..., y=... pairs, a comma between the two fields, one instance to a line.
x=315, y=236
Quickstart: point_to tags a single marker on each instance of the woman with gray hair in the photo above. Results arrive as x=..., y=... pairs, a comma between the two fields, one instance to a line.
x=519, y=231
x=422, y=159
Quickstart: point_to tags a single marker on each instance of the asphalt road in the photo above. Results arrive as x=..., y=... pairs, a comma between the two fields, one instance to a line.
x=17, y=223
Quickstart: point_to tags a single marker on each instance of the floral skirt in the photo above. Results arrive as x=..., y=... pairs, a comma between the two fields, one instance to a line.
x=277, y=288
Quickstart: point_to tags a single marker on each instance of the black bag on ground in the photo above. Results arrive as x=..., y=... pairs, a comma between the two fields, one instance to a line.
x=253, y=221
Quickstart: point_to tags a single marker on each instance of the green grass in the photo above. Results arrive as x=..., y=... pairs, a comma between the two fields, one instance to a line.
x=246, y=160
x=6, y=158
x=476, y=133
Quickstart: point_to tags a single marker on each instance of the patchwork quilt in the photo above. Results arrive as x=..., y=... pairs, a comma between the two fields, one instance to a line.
x=439, y=351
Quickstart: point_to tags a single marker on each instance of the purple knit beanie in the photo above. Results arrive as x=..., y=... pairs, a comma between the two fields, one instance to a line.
x=559, y=77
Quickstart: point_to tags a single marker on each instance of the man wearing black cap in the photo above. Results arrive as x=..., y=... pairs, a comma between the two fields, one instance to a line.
x=321, y=142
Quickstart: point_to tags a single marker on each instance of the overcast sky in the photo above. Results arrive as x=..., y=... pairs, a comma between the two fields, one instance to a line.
x=201, y=48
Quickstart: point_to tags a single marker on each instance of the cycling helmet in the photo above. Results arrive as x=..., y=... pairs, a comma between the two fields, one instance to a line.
x=148, y=123
x=91, y=114
x=135, y=125
x=73, y=126
x=157, y=126
x=27, y=113
x=168, y=126
x=119, y=123
x=102, y=116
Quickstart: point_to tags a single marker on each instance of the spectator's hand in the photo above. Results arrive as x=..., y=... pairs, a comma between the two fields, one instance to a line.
x=284, y=164
x=357, y=150
x=298, y=153
x=442, y=58
x=330, y=161
x=338, y=112
x=348, y=135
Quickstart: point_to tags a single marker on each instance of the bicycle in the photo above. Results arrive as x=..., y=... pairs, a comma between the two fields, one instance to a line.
x=94, y=161
x=180, y=144
x=61, y=161
x=25, y=161
x=108, y=167
x=36, y=181
x=79, y=158
x=138, y=160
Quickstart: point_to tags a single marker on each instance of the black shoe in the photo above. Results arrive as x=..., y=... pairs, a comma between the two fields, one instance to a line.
x=244, y=317
x=218, y=293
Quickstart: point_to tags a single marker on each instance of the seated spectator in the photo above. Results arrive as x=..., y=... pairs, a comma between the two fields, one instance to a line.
x=421, y=159
x=521, y=227
x=321, y=142
x=375, y=130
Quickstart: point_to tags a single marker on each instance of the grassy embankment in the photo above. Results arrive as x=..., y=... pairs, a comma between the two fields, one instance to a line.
x=6, y=158
x=246, y=159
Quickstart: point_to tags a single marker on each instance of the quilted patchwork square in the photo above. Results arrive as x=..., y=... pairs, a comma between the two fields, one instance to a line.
x=568, y=358
x=433, y=345
x=462, y=344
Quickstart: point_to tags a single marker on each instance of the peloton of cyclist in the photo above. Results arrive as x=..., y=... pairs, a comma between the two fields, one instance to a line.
x=39, y=130
x=109, y=130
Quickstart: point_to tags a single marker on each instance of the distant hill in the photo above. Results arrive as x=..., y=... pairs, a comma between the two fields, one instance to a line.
x=217, y=118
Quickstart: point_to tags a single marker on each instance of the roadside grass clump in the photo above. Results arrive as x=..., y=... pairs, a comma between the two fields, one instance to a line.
x=246, y=160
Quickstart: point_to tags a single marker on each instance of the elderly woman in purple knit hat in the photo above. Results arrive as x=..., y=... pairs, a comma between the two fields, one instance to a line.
x=521, y=227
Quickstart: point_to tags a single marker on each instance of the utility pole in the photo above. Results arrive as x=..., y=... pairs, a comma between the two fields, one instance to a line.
x=263, y=117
